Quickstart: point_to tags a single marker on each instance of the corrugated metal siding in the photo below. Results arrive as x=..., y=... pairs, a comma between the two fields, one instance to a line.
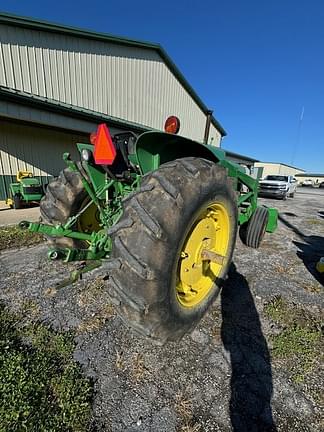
x=34, y=149
x=126, y=82
x=276, y=169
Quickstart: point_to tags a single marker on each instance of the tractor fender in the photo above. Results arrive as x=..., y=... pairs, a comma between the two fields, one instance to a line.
x=153, y=149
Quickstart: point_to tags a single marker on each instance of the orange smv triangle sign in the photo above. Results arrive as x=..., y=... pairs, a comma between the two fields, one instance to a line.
x=105, y=151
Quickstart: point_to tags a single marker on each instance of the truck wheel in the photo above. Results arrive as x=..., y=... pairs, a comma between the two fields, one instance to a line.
x=172, y=248
x=17, y=204
x=65, y=197
x=253, y=231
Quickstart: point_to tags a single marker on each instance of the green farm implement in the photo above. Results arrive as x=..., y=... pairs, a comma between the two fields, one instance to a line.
x=160, y=214
x=26, y=190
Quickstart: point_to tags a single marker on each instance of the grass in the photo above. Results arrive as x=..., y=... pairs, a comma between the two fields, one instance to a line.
x=139, y=370
x=14, y=237
x=313, y=287
x=91, y=294
x=288, y=268
x=120, y=360
x=300, y=341
x=190, y=426
x=97, y=321
x=314, y=221
x=184, y=409
x=41, y=387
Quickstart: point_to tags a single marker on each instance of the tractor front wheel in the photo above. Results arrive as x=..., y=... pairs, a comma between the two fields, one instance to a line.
x=253, y=231
x=172, y=248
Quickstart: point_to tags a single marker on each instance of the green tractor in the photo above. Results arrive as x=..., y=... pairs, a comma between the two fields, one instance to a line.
x=28, y=189
x=159, y=213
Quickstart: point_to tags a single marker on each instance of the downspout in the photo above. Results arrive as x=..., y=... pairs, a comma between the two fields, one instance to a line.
x=207, y=127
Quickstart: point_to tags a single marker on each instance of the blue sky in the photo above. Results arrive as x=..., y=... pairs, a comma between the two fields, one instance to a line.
x=256, y=63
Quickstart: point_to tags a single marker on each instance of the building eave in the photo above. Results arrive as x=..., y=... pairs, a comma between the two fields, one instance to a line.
x=306, y=174
x=67, y=109
x=240, y=156
x=281, y=163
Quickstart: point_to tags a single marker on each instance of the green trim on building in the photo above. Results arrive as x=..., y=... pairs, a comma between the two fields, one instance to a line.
x=36, y=24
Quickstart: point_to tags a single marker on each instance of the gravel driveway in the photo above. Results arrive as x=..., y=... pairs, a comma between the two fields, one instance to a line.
x=221, y=377
x=11, y=216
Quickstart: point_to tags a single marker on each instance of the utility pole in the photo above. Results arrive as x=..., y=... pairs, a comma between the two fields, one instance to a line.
x=298, y=140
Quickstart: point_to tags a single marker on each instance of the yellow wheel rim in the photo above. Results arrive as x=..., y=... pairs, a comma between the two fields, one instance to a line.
x=89, y=220
x=203, y=255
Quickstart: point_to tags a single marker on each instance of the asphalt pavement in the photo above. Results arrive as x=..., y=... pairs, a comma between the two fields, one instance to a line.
x=10, y=216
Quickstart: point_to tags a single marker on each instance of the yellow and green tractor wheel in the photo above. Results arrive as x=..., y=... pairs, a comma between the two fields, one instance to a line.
x=203, y=255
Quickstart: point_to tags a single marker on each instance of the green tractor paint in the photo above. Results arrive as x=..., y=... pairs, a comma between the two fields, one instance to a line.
x=136, y=204
x=26, y=190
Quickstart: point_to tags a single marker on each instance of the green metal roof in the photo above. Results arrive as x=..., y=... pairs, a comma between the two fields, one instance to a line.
x=36, y=24
x=306, y=174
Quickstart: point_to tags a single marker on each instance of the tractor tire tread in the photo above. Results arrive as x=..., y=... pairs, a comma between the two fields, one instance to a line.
x=139, y=287
x=132, y=261
x=147, y=219
x=166, y=185
x=255, y=228
x=190, y=168
x=62, y=198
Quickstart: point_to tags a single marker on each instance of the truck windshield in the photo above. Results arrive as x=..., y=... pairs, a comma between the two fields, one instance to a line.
x=277, y=178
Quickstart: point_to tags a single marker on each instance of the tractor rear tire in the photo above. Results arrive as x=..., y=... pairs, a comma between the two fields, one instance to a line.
x=253, y=231
x=17, y=204
x=172, y=209
x=63, y=198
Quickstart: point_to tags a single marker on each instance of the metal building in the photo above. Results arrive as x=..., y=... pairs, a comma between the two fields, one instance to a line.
x=273, y=168
x=57, y=83
x=313, y=179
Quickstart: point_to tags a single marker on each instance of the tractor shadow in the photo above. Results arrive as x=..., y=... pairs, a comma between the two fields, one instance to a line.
x=310, y=249
x=251, y=380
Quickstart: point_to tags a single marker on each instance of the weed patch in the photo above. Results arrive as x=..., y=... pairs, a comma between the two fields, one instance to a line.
x=313, y=287
x=97, y=321
x=314, y=221
x=14, y=237
x=41, y=387
x=300, y=340
x=184, y=410
x=139, y=370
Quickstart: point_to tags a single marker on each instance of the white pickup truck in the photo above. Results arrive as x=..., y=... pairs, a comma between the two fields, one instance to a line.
x=280, y=186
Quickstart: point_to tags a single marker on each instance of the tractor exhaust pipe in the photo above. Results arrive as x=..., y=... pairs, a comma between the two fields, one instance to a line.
x=207, y=127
